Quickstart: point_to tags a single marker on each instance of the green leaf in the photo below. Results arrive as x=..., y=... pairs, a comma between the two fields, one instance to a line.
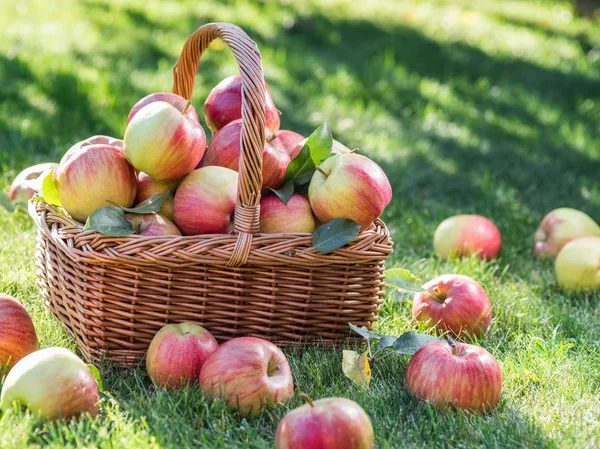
x=49, y=191
x=335, y=234
x=404, y=280
x=362, y=331
x=386, y=341
x=96, y=373
x=410, y=342
x=285, y=192
x=109, y=220
x=319, y=144
x=301, y=169
x=150, y=206
x=5, y=202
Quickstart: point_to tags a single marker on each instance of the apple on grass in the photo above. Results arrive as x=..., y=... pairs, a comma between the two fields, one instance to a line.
x=17, y=333
x=177, y=353
x=152, y=225
x=205, y=201
x=349, y=186
x=225, y=150
x=454, y=303
x=248, y=373
x=20, y=189
x=163, y=142
x=178, y=102
x=53, y=383
x=224, y=105
x=89, y=175
x=452, y=373
x=465, y=235
x=330, y=423
x=561, y=226
x=295, y=216
x=577, y=265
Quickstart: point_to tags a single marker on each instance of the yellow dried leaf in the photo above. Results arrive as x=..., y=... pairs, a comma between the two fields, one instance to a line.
x=356, y=367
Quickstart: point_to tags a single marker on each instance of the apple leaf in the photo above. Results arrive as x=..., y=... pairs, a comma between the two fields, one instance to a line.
x=5, y=202
x=356, y=367
x=410, y=342
x=49, y=191
x=301, y=169
x=335, y=234
x=386, y=341
x=285, y=192
x=403, y=280
x=109, y=220
x=150, y=206
x=362, y=331
x=96, y=373
x=319, y=143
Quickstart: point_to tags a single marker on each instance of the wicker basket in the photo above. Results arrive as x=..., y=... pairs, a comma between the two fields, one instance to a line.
x=114, y=293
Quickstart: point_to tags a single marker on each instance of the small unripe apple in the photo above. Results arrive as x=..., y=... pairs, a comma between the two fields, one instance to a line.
x=465, y=235
x=295, y=216
x=577, y=265
x=561, y=226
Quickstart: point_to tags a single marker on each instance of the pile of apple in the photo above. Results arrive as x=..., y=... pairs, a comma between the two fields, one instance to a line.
x=164, y=150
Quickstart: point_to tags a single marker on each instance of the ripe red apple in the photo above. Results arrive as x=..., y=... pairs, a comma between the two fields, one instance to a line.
x=248, y=373
x=454, y=303
x=276, y=217
x=174, y=100
x=17, y=334
x=164, y=143
x=152, y=225
x=577, y=265
x=561, y=226
x=330, y=423
x=102, y=140
x=148, y=187
x=224, y=105
x=176, y=354
x=290, y=140
x=205, y=201
x=465, y=376
x=464, y=235
x=54, y=383
x=224, y=151
x=21, y=189
x=353, y=187
x=89, y=175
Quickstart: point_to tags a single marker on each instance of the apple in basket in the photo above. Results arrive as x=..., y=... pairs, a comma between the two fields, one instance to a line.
x=177, y=353
x=454, y=303
x=205, y=201
x=248, y=373
x=349, y=186
x=148, y=187
x=53, y=383
x=224, y=105
x=330, y=423
x=289, y=140
x=102, y=140
x=452, y=373
x=295, y=216
x=561, y=226
x=89, y=175
x=577, y=265
x=163, y=142
x=20, y=189
x=175, y=100
x=224, y=151
x=17, y=334
x=152, y=225
x=465, y=235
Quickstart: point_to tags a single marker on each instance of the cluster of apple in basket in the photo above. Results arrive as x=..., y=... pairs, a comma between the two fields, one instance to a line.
x=164, y=151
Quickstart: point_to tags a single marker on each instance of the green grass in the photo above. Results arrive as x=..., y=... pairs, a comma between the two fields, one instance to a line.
x=492, y=108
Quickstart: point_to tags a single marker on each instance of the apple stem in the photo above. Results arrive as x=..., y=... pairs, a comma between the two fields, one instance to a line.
x=187, y=105
x=272, y=138
x=355, y=150
x=307, y=399
x=452, y=343
x=320, y=170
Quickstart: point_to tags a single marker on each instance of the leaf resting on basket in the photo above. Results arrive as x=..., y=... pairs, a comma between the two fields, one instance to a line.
x=49, y=191
x=335, y=234
x=109, y=220
x=150, y=206
x=357, y=368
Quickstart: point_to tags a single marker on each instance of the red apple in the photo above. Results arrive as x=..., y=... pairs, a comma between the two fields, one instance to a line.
x=224, y=151
x=336, y=148
x=174, y=100
x=454, y=303
x=89, y=175
x=54, y=383
x=353, y=187
x=224, y=105
x=148, y=187
x=21, y=188
x=17, y=334
x=465, y=235
x=152, y=225
x=290, y=140
x=465, y=376
x=205, y=201
x=276, y=217
x=102, y=140
x=330, y=423
x=176, y=354
x=248, y=373
x=561, y=226
x=577, y=265
x=164, y=143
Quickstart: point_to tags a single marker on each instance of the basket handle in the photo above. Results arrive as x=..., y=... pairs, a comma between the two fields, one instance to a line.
x=246, y=220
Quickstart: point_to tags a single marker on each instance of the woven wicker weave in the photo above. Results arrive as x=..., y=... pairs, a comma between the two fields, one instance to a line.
x=114, y=293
